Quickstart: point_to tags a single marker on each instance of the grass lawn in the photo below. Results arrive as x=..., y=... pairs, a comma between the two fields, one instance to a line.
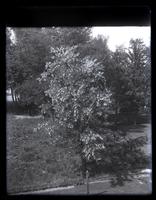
x=140, y=185
x=35, y=162
x=133, y=187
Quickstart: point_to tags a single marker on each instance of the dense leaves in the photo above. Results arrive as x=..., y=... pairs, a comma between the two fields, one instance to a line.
x=26, y=59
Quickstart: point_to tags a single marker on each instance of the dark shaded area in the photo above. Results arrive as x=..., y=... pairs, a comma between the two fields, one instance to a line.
x=17, y=109
x=124, y=159
x=127, y=119
x=77, y=15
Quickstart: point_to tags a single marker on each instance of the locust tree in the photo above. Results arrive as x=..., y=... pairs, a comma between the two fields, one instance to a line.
x=77, y=92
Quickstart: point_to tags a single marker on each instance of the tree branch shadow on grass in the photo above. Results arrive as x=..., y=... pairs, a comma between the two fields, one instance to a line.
x=120, y=180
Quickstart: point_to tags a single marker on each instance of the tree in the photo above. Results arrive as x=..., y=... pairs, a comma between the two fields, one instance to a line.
x=128, y=78
x=76, y=89
x=147, y=82
x=117, y=82
x=9, y=55
x=31, y=95
x=139, y=72
x=27, y=57
x=25, y=61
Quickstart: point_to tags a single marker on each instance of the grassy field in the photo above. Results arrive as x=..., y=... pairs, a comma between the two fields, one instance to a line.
x=35, y=161
x=134, y=187
x=140, y=184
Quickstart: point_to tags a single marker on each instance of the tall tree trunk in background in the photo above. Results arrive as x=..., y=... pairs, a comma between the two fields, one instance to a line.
x=15, y=97
x=12, y=95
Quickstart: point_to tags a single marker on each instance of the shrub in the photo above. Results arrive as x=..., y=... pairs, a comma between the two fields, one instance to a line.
x=121, y=156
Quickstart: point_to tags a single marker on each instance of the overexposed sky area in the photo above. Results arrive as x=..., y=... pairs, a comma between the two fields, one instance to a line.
x=121, y=35
x=118, y=35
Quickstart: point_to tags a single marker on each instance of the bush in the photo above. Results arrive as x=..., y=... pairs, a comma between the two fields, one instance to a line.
x=121, y=156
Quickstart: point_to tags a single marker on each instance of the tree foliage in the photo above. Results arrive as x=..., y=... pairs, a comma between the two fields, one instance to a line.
x=139, y=72
x=26, y=59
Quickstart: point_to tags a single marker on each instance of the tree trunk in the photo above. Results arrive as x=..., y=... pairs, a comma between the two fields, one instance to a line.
x=15, y=97
x=78, y=128
x=84, y=168
x=12, y=95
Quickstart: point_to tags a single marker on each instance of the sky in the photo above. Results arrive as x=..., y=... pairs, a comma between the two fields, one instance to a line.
x=118, y=35
x=121, y=35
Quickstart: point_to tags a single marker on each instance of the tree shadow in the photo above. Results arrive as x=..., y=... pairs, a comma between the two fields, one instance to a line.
x=120, y=180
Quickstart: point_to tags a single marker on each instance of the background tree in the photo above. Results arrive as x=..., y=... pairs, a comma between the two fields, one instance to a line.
x=147, y=82
x=139, y=75
x=25, y=61
x=128, y=78
x=10, y=59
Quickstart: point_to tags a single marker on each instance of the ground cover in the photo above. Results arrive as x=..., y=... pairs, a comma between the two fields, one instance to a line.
x=35, y=161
